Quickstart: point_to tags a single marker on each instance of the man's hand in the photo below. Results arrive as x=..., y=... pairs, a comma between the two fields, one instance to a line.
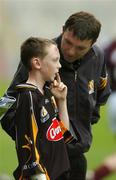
x=39, y=177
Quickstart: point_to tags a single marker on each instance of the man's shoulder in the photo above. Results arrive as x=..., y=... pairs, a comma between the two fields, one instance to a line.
x=57, y=39
x=98, y=51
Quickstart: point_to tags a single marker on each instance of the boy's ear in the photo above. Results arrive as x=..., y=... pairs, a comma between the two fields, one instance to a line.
x=36, y=63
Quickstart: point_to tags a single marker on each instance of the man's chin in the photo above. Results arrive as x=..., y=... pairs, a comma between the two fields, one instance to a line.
x=70, y=60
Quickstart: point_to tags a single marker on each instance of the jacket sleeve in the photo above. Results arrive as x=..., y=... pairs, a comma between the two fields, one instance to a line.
x=7, y=120
x=20, y=76
x=103, y=90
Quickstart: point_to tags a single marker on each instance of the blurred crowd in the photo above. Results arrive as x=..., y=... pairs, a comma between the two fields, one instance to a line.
x=108, y=165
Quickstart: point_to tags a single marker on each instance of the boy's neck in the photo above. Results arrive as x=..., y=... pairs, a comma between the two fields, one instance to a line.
x=36, y=81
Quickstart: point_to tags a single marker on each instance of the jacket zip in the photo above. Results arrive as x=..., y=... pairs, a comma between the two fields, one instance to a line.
x=75, y=75
x=75, y=99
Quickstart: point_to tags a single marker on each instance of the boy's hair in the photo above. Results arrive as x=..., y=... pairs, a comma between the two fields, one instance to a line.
x=34, y=47
x=84, y=26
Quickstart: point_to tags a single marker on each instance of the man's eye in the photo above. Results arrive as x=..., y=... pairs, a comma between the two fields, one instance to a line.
x=81, y=48
x=68, y=42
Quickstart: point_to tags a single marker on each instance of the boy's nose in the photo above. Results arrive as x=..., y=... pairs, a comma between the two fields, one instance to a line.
x=59, y=65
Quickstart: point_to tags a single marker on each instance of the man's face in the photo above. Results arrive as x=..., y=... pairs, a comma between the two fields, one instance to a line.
x=50, y=63
x=73, y=48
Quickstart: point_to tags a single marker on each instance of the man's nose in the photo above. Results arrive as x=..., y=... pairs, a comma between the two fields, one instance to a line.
x=72, y=51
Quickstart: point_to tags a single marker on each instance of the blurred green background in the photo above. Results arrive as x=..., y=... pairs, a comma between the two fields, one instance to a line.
x=8, y=159
x=103, y=144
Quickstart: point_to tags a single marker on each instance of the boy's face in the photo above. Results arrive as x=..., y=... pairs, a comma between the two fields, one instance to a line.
x=50, y=64
x=73, y=48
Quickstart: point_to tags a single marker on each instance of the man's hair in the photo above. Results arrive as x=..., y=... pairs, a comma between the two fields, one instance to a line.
x=83, y=25
x=34, y=47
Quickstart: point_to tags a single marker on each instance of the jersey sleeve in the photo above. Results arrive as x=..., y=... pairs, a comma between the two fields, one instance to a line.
x=26, y=140
x=68, y=138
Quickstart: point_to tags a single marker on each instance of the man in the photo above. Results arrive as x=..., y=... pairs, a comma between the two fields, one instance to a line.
x=84, y=72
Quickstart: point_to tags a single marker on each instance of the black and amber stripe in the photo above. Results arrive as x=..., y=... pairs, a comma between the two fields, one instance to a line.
x=103, y=83
x=68, y=138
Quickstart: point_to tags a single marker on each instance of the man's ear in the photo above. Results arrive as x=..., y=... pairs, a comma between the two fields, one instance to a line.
x=93, y=42
x=36, y=63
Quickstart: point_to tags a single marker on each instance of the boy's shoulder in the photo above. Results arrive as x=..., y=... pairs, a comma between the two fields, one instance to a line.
x=24, y=91
x=25, y=86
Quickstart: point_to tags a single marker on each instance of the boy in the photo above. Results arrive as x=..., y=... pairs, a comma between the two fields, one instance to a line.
x=40, y=144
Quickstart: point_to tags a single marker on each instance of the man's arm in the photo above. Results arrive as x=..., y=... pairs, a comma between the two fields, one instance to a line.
x=7, y=121
x=20, y=76
x=103, y=89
